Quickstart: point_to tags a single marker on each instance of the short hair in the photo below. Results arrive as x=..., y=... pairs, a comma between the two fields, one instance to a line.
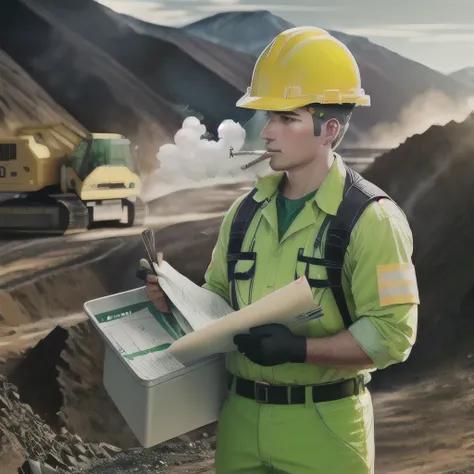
x=323, y=112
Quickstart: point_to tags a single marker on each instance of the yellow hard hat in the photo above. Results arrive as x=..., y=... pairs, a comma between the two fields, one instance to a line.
x=301, y=66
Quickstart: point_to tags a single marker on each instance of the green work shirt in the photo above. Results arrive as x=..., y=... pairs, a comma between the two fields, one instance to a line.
x=378, y=278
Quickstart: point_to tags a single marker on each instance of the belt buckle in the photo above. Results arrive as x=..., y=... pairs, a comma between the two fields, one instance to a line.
x=260, y=387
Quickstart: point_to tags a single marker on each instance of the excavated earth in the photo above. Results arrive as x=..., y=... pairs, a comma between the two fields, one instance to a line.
x=424, y=408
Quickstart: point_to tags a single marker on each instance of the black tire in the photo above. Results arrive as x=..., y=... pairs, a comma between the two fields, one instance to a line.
x=137, y=212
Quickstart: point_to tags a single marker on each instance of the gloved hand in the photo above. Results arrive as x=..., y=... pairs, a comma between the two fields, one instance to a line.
x=271, y=344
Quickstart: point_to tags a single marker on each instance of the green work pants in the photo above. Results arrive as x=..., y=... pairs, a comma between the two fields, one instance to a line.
x=335, y=437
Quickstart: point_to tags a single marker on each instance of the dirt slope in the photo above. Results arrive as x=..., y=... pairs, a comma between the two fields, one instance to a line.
x=23, y=101
x=431, y=177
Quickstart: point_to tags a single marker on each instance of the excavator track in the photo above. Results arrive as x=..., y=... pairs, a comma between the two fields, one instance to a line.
x=43, y=214
x=77, y=217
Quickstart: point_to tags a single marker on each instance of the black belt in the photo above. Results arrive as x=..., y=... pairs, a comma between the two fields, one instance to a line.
x=294, y=394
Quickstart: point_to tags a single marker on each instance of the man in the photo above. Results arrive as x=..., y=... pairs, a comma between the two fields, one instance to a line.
x=297, y=401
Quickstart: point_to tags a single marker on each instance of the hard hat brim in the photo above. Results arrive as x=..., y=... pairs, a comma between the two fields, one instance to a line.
x=279, y=104
x=269, y=103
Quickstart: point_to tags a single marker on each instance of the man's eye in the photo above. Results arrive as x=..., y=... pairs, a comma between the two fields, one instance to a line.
x=286, y=119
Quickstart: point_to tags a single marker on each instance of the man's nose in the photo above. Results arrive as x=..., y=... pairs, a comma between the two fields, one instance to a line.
x=268, y=132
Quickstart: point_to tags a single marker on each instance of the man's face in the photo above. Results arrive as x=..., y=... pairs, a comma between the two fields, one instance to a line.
x=290, y=138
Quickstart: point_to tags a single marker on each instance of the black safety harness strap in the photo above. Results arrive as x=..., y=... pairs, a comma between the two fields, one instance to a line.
x=241, y=222
x=358, y=194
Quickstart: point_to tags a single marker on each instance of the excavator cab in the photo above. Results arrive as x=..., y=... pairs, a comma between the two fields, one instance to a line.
x=101, y=171
x=101, y=150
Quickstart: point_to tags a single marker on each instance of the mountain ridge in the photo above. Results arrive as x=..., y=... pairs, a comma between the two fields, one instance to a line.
x=464, y=75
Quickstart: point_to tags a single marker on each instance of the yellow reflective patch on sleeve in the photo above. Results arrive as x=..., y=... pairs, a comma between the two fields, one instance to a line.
x=397, y=284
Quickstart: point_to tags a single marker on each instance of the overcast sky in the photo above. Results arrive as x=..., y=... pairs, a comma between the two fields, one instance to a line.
x=430, y=32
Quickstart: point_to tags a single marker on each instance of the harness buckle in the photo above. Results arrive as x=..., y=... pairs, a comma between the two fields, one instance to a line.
x=261, y=392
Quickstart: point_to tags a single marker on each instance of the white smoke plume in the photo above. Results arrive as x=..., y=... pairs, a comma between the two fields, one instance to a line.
x=426, y=110
x=194, y=160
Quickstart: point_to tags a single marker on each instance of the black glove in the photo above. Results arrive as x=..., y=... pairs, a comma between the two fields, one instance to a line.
x=271, y=344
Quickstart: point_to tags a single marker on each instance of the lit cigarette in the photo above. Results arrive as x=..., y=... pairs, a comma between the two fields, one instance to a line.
x=254, y=162
x=263, y=155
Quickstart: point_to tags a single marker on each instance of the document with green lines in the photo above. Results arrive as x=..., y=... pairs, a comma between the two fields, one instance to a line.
x=138, y=332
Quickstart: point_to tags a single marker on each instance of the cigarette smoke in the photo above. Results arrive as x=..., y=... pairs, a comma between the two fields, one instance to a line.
x=195, y=159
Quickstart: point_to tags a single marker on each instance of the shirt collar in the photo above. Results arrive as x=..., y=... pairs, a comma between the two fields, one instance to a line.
x=327, y=198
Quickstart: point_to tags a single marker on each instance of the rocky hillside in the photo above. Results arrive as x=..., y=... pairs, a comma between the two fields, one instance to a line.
x=23, y=433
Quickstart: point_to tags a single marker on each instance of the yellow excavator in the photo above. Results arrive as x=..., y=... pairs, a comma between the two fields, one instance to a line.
x=57, y=179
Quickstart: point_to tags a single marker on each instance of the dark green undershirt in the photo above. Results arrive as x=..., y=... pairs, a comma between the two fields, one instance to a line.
x=288, y=209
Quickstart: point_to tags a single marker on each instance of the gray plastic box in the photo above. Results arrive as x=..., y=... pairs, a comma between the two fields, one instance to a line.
x=160, y=409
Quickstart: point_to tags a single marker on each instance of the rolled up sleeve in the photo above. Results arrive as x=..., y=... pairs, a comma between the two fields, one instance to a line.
x=384, y=286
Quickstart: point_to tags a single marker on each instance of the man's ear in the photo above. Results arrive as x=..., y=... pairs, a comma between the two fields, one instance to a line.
x=331, y=130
